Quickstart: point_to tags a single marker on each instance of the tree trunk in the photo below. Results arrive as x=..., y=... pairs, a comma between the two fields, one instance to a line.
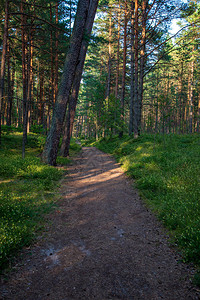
x=41, y=97
x=118, y=48
x=56, y=59
x=52, y=68
x=136, y=107
x=12, y=91
x=156, y=103
x=191, y=98
x=24, y=78
x=51, y=147
x=142, y=63
x=124, y=71
x=109, y=56
x=64, y=150
x=30, y=80
x=198, y=115
x=9, y=93
x=77, y=79
x=3, y=59
x=132, y=71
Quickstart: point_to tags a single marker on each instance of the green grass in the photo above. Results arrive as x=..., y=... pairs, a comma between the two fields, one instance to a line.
x=27, y=191
x=167, y=174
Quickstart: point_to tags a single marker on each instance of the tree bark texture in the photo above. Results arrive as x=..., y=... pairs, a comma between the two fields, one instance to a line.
x=30, y=79
x=198, y=115
x=51, y=147
x=52, y=61
x=3, y=59
x=124, y=69
x=109, y=56
x=136, y=108
x=139, y=89
x=24, y=77
x=56, y=58
x=118, y=48
x=142, y=63
x=9, y=93
x=191, y=98
x=77, y=80
x=132, y=70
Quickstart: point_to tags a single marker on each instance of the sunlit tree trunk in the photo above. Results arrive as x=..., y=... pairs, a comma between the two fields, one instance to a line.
x=180, y=101
x=142, y=64
x=191, y=98
x=132, y=70
x=109, y=56
x=136, y=104
x=118, y=48
x=124, y=69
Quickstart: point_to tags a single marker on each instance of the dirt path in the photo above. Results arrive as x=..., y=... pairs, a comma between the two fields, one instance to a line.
x=102, y=244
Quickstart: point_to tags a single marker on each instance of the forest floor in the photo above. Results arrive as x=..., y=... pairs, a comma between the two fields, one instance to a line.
x=101, y=243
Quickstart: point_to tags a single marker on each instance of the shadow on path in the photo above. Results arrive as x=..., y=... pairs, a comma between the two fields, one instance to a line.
x=102, y=244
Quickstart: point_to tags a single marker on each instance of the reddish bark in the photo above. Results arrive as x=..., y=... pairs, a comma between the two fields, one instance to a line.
x=124, y=68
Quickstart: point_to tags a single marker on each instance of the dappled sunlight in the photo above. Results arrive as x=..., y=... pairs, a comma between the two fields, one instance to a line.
x=152, y=166
x=6, y=181
x=102, y=176
x=101, y=241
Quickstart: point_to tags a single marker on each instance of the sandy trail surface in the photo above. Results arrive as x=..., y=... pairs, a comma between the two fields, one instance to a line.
x=102, y=243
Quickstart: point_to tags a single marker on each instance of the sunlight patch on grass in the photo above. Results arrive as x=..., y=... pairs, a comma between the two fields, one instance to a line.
x=25, y=186
x=167, y=173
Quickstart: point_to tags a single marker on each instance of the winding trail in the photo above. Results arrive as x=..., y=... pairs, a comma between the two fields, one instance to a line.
x=102, y=244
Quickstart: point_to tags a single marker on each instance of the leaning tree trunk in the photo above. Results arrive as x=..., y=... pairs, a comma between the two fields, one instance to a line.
x=64, y=150
x=76, y=84
x=3, y=59
x=51, y=147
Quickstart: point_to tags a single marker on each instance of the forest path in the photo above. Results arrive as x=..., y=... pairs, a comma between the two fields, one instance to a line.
x=102, y=244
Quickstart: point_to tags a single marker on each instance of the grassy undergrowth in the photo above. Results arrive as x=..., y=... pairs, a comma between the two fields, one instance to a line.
x=167, y=173
x=27, y=191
